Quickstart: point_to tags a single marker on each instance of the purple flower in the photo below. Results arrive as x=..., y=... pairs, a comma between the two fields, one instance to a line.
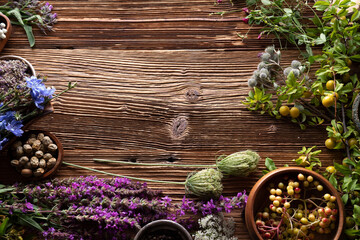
x=246, y=10
x=245, y=20
x=166, y=201
x=28, y=205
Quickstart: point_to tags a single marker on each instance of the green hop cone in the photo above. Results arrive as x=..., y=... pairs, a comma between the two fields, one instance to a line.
x=239, y=163
x=204, y=184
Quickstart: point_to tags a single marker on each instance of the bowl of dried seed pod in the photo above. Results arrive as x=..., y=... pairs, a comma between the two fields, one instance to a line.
x=36, y=155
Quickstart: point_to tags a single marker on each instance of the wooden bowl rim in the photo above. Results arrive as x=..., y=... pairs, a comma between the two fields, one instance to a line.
x=59, y=159
x=249, y=209
x=14, y=57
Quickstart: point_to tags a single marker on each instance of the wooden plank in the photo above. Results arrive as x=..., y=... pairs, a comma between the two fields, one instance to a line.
x=169, y=24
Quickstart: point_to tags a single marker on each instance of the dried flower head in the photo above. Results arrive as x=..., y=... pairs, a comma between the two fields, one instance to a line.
x=239, y=163
x=205, y=183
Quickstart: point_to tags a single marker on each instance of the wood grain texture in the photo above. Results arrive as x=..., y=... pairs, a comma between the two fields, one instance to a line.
x=165, y=24
x=159, y=81
x=164, y=106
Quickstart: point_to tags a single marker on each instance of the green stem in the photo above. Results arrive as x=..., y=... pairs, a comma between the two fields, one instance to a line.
x=154, y=164
x=123, y=176
x=71, y=86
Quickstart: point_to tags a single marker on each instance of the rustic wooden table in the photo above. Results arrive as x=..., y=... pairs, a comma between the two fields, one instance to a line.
x=158, y=81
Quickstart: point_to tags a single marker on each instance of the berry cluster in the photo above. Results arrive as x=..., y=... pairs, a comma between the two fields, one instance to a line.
x=298, y=210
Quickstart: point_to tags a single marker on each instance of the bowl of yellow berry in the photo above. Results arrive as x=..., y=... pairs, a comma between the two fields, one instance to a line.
x=294, y=203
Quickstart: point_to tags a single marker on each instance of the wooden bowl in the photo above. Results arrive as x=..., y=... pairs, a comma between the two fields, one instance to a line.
x=9, y=175
x=259, y=199
x=6, y=20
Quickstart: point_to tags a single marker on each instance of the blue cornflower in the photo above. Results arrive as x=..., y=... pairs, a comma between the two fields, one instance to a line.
x=3, y=142
x=15, y=127
x=8, y=116
x=38, y=91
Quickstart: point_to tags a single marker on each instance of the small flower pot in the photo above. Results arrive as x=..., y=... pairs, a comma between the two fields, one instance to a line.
x=355, y=112
x=8, y=173
x=6, y=20
x=170, y=229
x=259, y=199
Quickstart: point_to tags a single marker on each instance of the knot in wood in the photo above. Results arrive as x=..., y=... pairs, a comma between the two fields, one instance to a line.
x=179, y=127
x=192, y=95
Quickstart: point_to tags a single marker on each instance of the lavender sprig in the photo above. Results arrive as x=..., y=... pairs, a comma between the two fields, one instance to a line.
x=94, y=208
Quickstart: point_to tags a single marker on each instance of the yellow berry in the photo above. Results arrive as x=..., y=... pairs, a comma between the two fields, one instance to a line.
x=330, y=85
x=330, y=143
x=284, y=111
x=294, y=112
x=328, y=101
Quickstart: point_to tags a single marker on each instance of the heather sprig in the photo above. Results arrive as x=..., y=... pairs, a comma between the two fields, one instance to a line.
x=27, y=13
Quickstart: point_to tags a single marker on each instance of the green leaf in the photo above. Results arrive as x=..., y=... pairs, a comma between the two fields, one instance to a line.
x=333, y=181
x=355, y=16
x=355, y=58
x=316, y=20
x=28, y=221
x=321, y=5
x=352, y=232
x=30, y=35
x=344, y=170
x=16, y=13
x=269, y=163
x=4, y=190
x=345, y=198
x=3, y=226
x=321, y=39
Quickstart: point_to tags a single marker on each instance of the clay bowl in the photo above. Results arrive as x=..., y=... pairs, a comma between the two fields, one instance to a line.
x=6, y=20
x=164, y=226
x=259, y=199
x=9, y=174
